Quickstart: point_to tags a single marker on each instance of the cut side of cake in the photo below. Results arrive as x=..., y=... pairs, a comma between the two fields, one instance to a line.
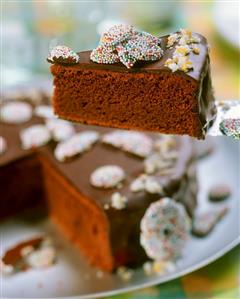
x=102, y=222
x=172, y=95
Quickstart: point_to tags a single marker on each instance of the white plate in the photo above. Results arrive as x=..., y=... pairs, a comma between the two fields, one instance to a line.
x=71, y=277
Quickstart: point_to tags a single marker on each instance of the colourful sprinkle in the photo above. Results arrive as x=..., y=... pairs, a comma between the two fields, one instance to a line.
x=126, y=44
x=230, y=127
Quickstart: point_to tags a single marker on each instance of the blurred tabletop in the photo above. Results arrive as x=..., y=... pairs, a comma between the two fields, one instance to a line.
x=218, y=280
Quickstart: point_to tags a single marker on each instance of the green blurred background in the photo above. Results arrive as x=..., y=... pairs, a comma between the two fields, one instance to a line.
x=30, y=28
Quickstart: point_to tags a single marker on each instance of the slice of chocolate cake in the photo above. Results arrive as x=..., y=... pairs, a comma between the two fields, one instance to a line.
x=136, y=81
x=95, y=183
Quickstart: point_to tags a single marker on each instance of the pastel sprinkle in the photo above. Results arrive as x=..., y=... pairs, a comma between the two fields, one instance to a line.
x=230, y=127
x=103, y=54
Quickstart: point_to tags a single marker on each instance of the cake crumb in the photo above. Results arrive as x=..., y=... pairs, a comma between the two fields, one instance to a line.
x=147, y=268
x=172, y=38
x=196, y=50
x=182, y=50
x=99, y=274
x=37, y=252
x=118, y=201
x=185, y=40
x=106, y=206
x=147, y=183
x=125, y=273
x=158, y=267
x=26, y=250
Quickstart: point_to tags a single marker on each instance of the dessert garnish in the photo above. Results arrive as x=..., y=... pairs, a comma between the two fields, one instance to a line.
x=230, y=127
x=75, y=145
x=16, y=112
x=165, y=228
x=63, y=55
x=44, y=111
x=60, y=129
x=132, y=142
x=186, y=42
x=128, y=45
x=35, y=136
x=3, y=145
x=125, y=273
x=205, y=222
x=37, y=252
x=107, y=176
x=118, y=201
x=219, y=192
x=146, y=183
x=158, y=267
x=105, y=55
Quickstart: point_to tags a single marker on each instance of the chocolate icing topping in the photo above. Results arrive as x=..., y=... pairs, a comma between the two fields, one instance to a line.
x=156, y=66
x=78, y=170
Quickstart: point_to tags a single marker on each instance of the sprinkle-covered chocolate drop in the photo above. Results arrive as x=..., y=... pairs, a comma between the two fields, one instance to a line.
x=135, y=143
x=104, y=54
x=231, y=127
x=75, y=145
x=165, y=229
x=60, y=129
x=16, y=112
x=126, y=44
x=205, y=222
x=63, y=55
x=219, y=192
x=117, y=34
x=108, y=176
x=35, y=136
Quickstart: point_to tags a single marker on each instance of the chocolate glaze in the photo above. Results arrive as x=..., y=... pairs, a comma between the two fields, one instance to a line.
x=78, y=170
x=156, y=66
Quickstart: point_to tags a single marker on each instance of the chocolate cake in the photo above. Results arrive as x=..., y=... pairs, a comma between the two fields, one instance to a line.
x=102, y=221
x=170, y=92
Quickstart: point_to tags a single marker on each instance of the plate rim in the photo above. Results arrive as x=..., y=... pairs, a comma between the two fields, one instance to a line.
x=159, y=280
